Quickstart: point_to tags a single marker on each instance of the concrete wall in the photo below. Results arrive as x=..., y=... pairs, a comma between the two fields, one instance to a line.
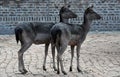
x=14, y=11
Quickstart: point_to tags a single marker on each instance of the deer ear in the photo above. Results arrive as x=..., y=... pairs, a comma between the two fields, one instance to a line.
x=57, y=6
x=68, y=6
x=92, y=6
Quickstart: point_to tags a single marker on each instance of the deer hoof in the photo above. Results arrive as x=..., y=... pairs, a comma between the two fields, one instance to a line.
x=24, y=71
x=44, y=68
x=54, y=68
x=64, y=72
x=58, y=72
x=70, y=69
x=79, y=70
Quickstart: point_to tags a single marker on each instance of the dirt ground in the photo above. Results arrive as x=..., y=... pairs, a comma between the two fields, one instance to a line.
x=99, y=57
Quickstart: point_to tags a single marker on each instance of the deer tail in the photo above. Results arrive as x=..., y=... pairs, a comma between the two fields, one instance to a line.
x=56, y=34
x=18, y=34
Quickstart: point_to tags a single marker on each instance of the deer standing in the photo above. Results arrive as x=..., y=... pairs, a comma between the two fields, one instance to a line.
x=38, y=33
x=72, y=34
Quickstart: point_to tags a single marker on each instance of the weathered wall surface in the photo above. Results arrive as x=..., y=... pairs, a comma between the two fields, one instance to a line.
x=14, y=11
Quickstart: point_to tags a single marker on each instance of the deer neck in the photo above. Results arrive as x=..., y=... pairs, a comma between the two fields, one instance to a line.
x=86, y=24
x=64, y=20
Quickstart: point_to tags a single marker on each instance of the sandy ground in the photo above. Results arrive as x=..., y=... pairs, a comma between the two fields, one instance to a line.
x=99, y=57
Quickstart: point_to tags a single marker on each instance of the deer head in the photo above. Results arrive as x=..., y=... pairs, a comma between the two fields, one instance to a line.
x=66, y=13
x=90, y=14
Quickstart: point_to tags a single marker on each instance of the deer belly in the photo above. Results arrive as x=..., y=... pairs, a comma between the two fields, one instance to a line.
x=72, y=43
x=42, y=38
x=74, y=40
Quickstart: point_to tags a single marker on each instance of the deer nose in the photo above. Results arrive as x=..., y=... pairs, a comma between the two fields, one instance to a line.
x=75, y=15
x=99, y=17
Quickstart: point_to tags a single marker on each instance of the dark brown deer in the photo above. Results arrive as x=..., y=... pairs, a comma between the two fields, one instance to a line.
x=38, y=33
x=72, y=34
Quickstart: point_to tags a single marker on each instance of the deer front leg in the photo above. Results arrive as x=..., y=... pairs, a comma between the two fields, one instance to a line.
x=78, y=55
x=46, y=53
x=24, y=47
x=72, y=55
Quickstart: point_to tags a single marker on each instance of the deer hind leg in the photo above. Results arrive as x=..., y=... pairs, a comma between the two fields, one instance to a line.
x=46, y=53
x=53, y=55
x=72, y=55
x=78, y=55
x=60, y=53
x=24, y=47
x=58, y=50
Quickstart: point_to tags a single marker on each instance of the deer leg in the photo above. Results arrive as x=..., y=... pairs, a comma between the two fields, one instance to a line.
x=53, y=55
x=62, y=49
x=58, y=70
x=58, y=49
x=24, y=47
x=72, y=55
x=46, y=53
x=78, y=55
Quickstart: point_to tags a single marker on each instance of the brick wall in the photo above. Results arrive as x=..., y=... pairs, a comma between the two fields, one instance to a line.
x=14, y=11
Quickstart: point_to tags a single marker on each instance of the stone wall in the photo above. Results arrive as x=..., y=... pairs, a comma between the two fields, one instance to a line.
x=14, y=11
